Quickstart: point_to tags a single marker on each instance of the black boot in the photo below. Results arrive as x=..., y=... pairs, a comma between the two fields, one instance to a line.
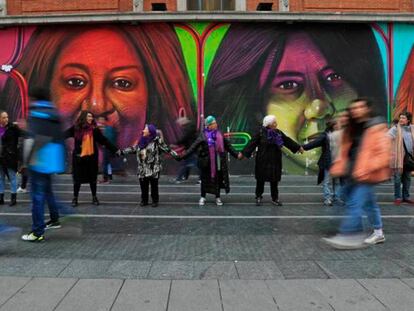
x=95, y=201
x=75, y=201
x=1, y=198
x=13, y=199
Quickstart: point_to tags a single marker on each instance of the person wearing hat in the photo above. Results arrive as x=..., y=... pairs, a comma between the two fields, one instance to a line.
x=148, y=152
x=269, y=141
x=212, y=147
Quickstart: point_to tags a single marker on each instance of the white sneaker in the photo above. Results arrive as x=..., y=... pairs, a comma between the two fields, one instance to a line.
x=327, y=202
x=219, y=202
x=21, y=190
x=374, y=239
x=202, y=201
x=342, y=241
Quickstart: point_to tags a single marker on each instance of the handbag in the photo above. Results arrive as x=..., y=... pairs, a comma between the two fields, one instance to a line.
x=408, y=164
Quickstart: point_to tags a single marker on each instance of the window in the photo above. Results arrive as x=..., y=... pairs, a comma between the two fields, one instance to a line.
x=211, y=5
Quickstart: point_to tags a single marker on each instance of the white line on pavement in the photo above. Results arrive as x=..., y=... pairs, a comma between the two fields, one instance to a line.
x=213, y=216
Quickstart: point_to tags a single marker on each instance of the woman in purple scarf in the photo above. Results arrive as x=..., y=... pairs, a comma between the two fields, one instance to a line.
x=212, y=148
x=148, y=153
x=269, y=141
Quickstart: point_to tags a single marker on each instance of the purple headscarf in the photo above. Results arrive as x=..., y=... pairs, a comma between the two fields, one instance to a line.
x=215, y=143
x=274, y=137
x=144, y=141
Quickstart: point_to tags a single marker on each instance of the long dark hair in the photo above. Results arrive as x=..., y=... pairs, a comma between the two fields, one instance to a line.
x=236, y=90
x=81, y=122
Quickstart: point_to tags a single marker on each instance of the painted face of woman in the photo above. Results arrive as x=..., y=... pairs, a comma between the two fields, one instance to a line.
x=100, y=71
x=305, y=92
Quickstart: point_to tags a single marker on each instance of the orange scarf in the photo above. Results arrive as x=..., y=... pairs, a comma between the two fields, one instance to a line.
x=87, y=144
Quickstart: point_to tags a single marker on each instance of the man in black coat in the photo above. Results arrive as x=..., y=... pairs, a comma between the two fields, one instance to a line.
x=9, y=156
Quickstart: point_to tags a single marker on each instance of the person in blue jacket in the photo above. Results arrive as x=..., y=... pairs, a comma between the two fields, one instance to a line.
x=43, y=155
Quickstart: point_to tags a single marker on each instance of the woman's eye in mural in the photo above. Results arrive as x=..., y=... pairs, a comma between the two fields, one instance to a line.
x=288, y=85
x=76, y=83
x=331, y=77
x=122, y=84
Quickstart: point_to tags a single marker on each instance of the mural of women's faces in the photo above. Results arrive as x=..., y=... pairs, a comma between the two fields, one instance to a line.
x=305, y=95
x=304, y=75
x=108, y=81
x=130, y=74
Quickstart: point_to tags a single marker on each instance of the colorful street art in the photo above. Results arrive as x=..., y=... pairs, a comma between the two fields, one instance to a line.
x=303, y=73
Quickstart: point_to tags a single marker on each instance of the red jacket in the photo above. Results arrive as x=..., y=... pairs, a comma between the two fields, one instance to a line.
x=372, y=164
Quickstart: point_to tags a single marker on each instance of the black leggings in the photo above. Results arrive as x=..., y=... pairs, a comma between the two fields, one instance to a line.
x=76, y=188
x=145, y=184
x=273, y=189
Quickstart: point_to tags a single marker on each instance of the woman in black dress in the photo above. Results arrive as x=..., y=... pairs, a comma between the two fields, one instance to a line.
x=269, y=142
x=85, y=153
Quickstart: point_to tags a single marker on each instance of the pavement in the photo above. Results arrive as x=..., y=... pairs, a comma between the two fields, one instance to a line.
x=180, y=256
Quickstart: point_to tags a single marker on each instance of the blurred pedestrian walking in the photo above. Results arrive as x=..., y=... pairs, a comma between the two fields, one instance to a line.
x=43, y=155
x=402, y=162
x=269, y=141
x=85, y=153
x=188, y=136
x=148, y=152
x=364, y=162
x=211, y=148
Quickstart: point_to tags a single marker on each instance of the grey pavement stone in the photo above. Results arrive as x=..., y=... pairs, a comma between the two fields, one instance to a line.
x=258, y=270
x=351, y=269
x=86, y=268
x=172, y=270
x=246, y=295
x=393, y=293
x=148, y=295
x=33, y=267
x=128, y=269
x=9, y=286
x=345, y=295
x=97, y=295
x=299, y=269
x=39, y=294
x=409, y=282
x=225, y=270
x=294, y=295
x=197, y=295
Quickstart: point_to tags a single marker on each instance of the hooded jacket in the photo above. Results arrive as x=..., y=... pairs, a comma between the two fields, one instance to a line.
x=373, y=156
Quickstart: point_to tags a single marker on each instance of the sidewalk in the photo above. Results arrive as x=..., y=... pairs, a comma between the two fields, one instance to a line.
x=195, y=295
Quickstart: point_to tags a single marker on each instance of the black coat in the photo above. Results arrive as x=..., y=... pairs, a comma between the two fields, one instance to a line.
x=188, y=136
x=221, y=181
x=269, y=156
x=85, y=169
x=9, y=147
x=325, y=159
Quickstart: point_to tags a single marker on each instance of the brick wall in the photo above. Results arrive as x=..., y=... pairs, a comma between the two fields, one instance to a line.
x=171, y=4
x=251, y=5
x=391, y=6
x=19, y=7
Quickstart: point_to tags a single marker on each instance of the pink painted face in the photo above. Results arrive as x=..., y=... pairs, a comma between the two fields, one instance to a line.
x=305, y=92
x=100, y=71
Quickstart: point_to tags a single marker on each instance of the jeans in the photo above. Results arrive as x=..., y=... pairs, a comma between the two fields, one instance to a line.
x=41, y=193
x=326, y=184
x=403, y=178
x=337, y=185
x=107, y=163
x=12, y=178
x=360, y=198
x=186, y=166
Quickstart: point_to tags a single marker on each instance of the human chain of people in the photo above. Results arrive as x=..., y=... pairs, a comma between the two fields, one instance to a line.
x=358, y=152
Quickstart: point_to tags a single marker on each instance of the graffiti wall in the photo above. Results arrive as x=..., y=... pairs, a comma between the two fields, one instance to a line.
x=304, y=74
